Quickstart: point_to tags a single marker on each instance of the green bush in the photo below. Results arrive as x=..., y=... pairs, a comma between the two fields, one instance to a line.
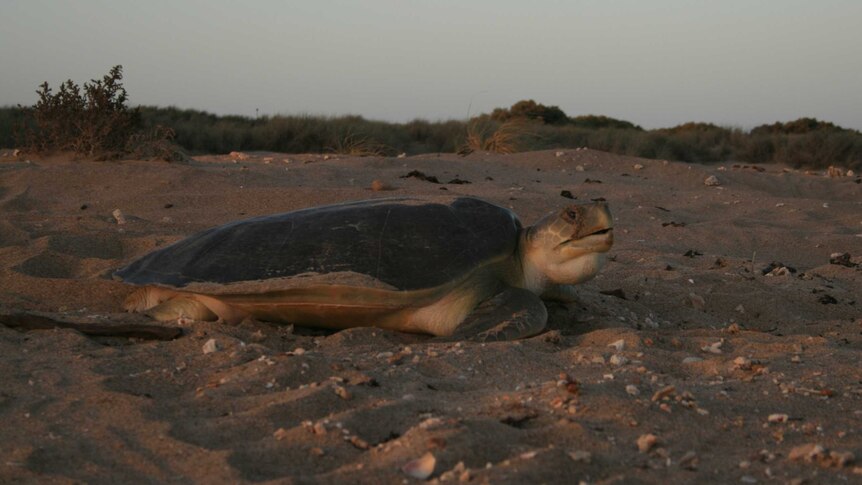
x=796, y=127
x=94, y=121
x=531, y=110
x=595, y=122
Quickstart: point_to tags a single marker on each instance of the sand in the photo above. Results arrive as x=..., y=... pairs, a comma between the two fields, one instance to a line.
x=682, y=361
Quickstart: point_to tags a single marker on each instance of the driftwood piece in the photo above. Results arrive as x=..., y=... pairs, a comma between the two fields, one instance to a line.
x=117, y=325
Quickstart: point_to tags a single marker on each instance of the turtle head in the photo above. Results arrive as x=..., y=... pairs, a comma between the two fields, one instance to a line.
x=567, y=246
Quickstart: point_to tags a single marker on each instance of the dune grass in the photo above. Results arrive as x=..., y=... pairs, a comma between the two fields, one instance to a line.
x=96, y=119
x=198, y=132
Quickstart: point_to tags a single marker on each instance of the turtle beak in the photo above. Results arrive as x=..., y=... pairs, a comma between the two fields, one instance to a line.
x=591, y=226
x=588, y=220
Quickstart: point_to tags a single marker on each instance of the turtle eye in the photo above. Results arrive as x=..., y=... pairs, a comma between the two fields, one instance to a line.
x=572, y=214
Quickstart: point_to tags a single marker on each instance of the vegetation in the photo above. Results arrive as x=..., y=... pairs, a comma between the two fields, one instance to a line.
x=531, y=111
x=95, y=121
x=489, y=136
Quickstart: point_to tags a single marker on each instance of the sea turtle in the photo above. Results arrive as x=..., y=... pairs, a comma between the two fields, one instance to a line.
x=448, y=266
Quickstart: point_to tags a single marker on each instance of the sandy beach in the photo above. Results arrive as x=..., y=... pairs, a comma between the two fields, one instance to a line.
x=720, y=344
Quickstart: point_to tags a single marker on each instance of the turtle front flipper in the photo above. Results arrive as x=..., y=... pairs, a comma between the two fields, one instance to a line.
x=511, y=314
x=143, y=299
x=181, y=307
x=164, y=304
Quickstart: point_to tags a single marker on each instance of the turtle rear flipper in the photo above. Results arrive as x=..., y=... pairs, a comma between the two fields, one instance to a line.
x=511, y=314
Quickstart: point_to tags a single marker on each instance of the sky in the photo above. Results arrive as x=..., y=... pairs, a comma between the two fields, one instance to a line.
x=655, y=63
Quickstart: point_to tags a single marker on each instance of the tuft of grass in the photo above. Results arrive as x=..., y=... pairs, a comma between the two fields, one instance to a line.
x=358, y=146
x=484, y=134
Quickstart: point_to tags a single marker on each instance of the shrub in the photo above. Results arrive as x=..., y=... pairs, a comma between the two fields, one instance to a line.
x=795, y=127
x=595, y=122
x=531, y=110
x=94, y=121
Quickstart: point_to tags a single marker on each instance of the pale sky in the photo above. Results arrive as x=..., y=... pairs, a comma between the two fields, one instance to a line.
x=655, y=63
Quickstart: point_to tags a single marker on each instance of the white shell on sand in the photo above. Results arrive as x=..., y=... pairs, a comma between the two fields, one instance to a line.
x=118, y=216
x=210, y=346
x=420, y=468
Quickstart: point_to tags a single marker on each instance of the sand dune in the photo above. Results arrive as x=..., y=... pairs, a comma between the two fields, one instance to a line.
x=693, y=334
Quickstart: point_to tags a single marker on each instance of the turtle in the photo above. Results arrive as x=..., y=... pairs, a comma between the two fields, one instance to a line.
x=450, y=266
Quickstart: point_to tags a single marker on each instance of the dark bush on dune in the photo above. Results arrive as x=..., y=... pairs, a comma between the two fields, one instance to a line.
x=805, y=142
x=797, y=127
x=597, y=122
x=93, y=120
x=530, y=110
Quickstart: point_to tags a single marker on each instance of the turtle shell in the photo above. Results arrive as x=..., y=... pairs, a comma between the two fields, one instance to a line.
x=405, y=244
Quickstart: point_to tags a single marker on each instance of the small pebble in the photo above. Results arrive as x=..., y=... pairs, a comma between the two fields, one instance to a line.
x=663, y=393
x=210, y=346
x=618, y=360
x=646, y=442
x=777, y=418
x=619, y=345
x=342, y=392
x=378, y=185
x=581, y=456
x=632, y=390
x=118, y=216
x=689, y=461
x=713, y=348
x=743, y=363
x=359, y=443
x=696, y=301
x=420, y=468
x=711, y=181
x=528, y=455
x=807, y=452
